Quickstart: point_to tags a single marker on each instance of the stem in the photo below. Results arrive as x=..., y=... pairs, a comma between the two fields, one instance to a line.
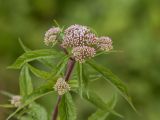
x=70, y=66
x=55, y=113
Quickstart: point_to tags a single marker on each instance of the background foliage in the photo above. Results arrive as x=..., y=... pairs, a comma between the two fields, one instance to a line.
x=134, y=26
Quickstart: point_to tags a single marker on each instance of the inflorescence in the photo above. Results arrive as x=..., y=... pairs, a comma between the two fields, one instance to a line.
x=83, y=42
x=51, y=36
x=80, y=42
x=16, y=100
x=61, y=86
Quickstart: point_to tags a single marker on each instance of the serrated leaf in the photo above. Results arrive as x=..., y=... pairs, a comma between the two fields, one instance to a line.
x=113, y=80
x=33, y=112
x=43, y=90
x=25, y=82
x=102, y=114
x=67, y=109
x=7, y=106
x=37, y=112
x=98, y=102
x=39, y=92
x=73, y=83
x=39, y=73
x=33, y=55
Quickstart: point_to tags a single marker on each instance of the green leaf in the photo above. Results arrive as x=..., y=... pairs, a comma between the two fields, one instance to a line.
x=25, y=82
x=6, y=93
x=26, y=118
x=37, y=112
x=39, y=73
x=43, y=90
x=33, y=55
x=33, y=112
x=43, y=61
x=107, y=52
x=60, y=66
x=73, y=85
x=67, y=109
x=7, y=106
x=113, y=80
x=80, y=78
x=98, y=102
x=23, y=46
x=48, y=75
x=39, y=92
x=103, y=114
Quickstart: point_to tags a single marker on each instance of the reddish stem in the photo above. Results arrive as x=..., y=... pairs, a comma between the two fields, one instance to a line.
x=70, y=66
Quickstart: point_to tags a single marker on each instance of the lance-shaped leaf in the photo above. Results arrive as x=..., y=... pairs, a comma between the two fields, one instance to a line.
x=48, y=75
x=80, y=77
x=37, y=112
x=41, y=91
x=98, y=102
x=67, y=109
x=33, y=55
x=113, y=80
x=7, y=106
x=23, y=46
x=25, y=82
x=39, y=73
x=6, y=93
x=103, y=114
x=43, y=60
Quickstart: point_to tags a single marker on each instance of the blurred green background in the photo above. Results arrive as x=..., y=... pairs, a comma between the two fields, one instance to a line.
x=134, y=26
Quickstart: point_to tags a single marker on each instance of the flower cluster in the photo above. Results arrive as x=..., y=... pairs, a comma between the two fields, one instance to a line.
x=51, y=35
x=83, y=52
x=61, y=86
x=83, y=42
x=78, y=35
x=105, y=43
x=16, y=100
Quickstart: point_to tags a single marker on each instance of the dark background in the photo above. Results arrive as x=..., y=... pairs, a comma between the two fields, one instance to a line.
x=134, y=26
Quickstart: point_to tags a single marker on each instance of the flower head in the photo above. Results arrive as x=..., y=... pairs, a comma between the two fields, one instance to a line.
x=16, y=100
x=90, y=39
x=51, y=35
x=61, y=86
x=81, y=53
x=78, y=35
x=105, y=43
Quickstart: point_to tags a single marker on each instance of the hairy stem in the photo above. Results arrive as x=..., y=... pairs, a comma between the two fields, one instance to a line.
x=70, y=66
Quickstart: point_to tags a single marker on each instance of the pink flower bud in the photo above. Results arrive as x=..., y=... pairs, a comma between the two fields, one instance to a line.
x=61, y=86
x=51, y=35
x=105, y=43
x=81, y=53
x=78, y=35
